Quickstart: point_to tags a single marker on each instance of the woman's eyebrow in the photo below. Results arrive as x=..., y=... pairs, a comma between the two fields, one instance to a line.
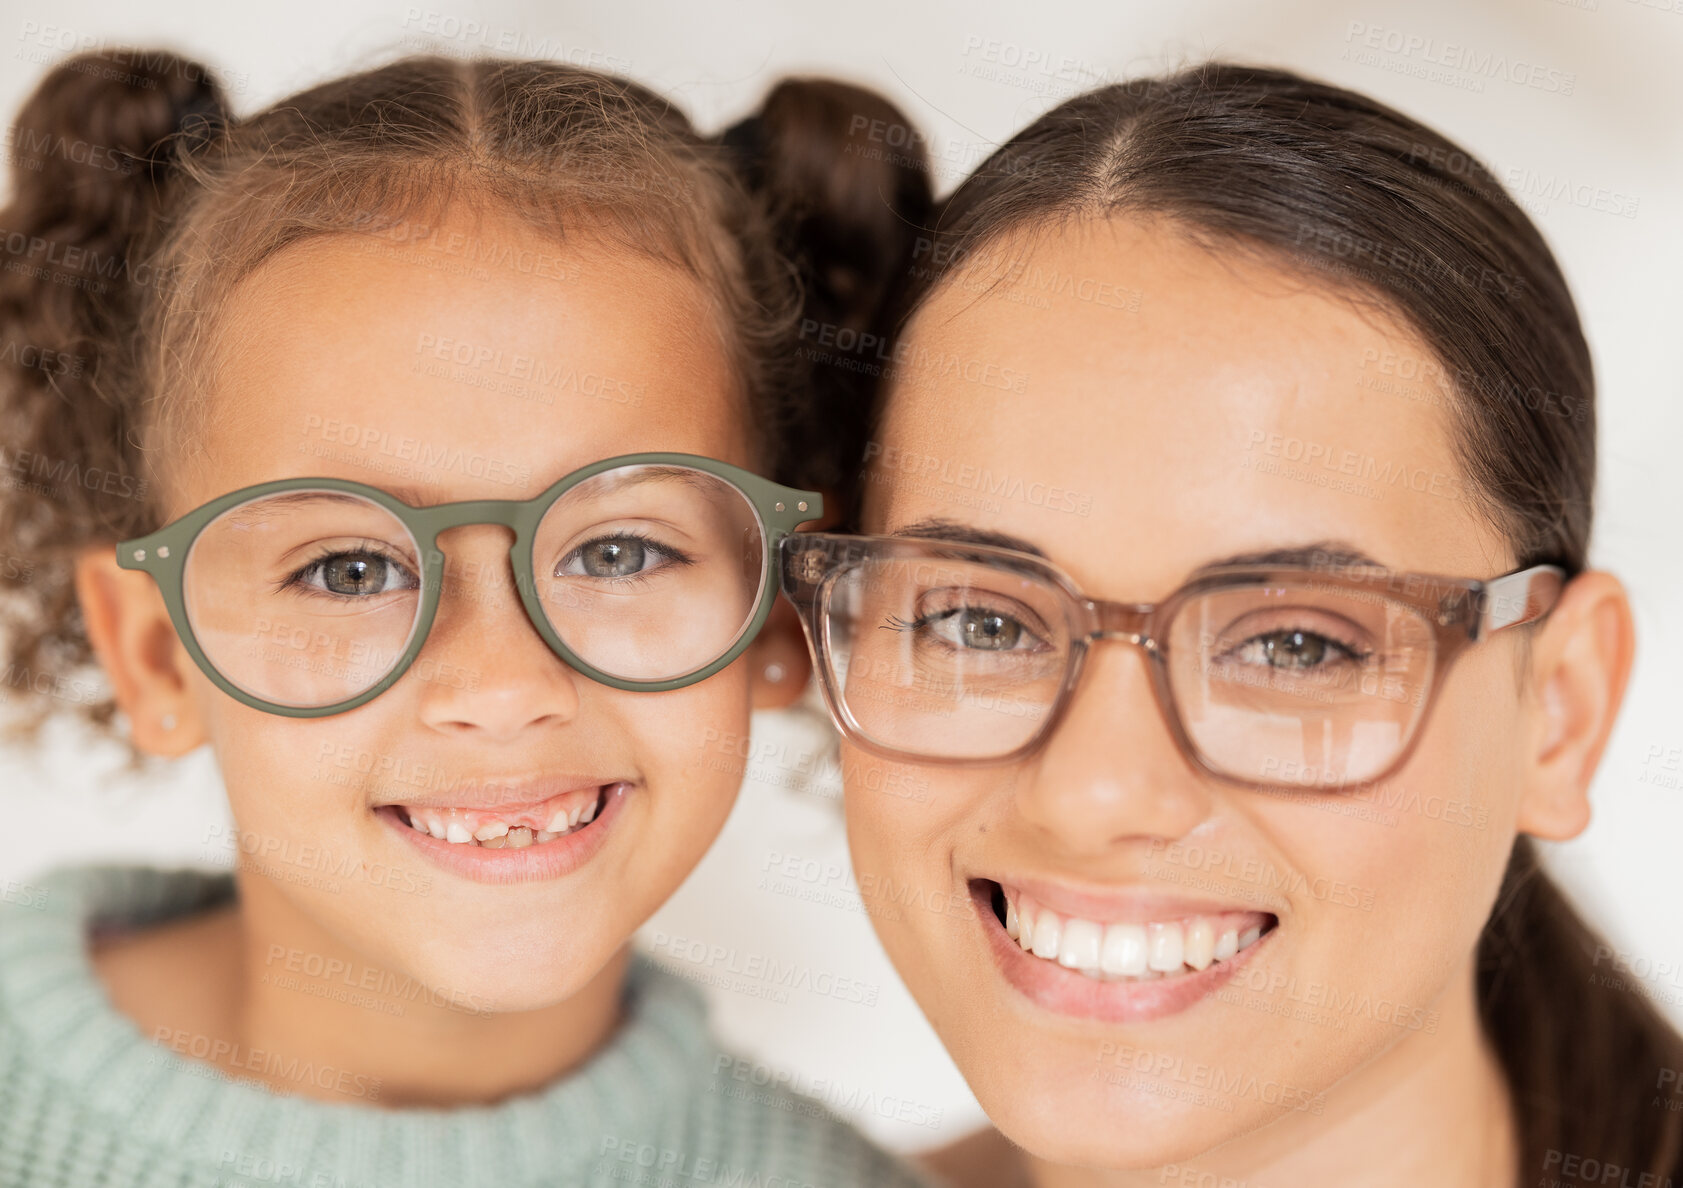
x=939, y=529
x=1324, y=554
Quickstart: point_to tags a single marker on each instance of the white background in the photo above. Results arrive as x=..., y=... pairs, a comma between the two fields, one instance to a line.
x=970, y=74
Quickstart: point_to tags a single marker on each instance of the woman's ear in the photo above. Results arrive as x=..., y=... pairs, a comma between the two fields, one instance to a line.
x=132, y=635
x=778, y=664
x=1580, y=662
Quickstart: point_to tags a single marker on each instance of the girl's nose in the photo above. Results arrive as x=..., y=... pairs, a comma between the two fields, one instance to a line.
x=490, y=671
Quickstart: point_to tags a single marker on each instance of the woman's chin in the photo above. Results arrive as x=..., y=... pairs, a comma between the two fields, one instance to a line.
x=1082, y=1136
x=1075, y=1112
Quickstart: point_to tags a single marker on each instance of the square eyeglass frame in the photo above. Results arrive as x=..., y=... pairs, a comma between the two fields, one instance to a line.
x=1460, y=611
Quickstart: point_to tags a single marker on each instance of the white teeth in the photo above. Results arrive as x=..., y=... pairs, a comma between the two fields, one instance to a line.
x=497, y=835
x=1048, y=934
x=1200, y=943
x=1123, y=953
x=1165, y=947
x=1142, y=952
x=1080, y=947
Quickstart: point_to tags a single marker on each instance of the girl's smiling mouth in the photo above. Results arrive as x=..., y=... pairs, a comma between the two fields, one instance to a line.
x=547, y=834
x=1131, y=960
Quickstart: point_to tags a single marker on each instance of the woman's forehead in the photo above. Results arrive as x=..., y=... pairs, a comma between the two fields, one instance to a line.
x=1126, y=384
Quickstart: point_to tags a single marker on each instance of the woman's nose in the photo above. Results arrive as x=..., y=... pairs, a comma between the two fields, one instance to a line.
x=1111, y=772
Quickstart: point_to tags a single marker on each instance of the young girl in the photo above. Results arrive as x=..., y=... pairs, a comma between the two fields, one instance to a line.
x=1226, y=581
x=345, y=388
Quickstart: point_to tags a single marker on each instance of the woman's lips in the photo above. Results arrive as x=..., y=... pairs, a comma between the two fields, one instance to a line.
x=531, y=863
x=1094, y=969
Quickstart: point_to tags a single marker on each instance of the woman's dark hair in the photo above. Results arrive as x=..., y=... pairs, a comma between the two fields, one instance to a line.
x=1347, y=190
x=139, y=200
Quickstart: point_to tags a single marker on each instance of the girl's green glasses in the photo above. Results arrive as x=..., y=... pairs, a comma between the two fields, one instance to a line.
x=307, y=597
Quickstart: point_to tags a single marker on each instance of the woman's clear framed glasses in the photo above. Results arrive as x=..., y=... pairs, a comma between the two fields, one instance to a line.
x=310, y=596
x=1270, y=676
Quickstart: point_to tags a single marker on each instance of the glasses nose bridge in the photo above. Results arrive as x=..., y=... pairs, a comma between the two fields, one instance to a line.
x=433, y=522
x=1130, y=622
x=437, y=520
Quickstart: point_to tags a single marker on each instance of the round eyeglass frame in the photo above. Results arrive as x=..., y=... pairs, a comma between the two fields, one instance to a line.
x=164, y=553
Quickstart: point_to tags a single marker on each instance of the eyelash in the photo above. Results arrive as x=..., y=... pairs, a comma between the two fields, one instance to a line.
x=1351, y=651
x=896, y=623
x=673, y=555
x=295, y=579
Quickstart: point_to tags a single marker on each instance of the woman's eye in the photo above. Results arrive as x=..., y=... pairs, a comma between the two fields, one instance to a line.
x=357, y=575
x=988, y=631
x=976, y=629
x=1292, y=649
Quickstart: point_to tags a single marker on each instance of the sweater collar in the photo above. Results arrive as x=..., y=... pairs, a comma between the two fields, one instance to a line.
x=53, y=1003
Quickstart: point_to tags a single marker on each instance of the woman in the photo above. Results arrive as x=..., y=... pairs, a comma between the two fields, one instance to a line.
x=1241, y=671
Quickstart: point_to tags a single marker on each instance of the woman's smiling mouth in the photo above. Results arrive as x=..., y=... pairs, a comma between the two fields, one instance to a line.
x=1126, y=961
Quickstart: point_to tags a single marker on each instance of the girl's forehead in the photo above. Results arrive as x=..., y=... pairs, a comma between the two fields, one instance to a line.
x=413, y=367
x=1227, y=405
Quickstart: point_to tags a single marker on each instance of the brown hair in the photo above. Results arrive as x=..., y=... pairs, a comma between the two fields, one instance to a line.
x=140, y=201
x=1393, y=213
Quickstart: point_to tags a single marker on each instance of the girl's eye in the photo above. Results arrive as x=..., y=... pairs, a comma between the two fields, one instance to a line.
x=615, y=557
x=1293, y=649
x=355, y=575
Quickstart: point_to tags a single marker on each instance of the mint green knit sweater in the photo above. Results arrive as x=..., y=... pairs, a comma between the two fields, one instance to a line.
x=87, y=1101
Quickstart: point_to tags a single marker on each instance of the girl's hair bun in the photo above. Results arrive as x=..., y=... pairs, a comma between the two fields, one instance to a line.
x=845, y=180
x=91, y=156
x=91, y=145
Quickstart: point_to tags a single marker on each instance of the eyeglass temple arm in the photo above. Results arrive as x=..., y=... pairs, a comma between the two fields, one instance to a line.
x=1518, y=598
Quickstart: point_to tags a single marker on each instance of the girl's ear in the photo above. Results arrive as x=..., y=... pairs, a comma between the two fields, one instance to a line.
x=131, y=633
x=1580, y=662
x=778, y=665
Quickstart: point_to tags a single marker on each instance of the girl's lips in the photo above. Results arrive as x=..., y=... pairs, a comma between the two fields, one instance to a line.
x=1053, y=987
x=534, y=863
